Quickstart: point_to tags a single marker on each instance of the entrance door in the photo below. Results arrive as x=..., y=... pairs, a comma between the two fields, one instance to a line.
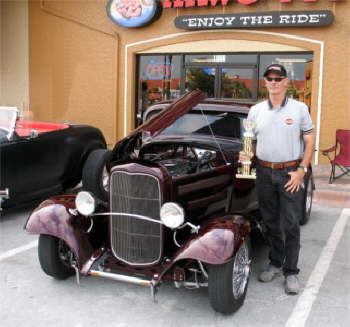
x=202, y=78
x=222, y=81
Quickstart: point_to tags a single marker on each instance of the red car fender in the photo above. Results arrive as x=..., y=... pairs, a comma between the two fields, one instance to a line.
x=217, y=242
x=52, y=217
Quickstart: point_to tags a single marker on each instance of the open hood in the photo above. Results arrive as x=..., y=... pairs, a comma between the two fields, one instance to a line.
x=157, y=124
x=180, y=107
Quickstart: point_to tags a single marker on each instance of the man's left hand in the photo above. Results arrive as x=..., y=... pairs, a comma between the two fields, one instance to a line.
x=296, y=181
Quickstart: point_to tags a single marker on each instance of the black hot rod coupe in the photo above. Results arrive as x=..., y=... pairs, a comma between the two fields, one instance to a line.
x=173, y=209
x=39, y=159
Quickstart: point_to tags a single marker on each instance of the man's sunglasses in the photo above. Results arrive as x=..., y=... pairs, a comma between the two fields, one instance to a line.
x=276, y=79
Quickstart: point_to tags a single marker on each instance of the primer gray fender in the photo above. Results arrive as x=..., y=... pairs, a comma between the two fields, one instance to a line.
x=53, y=218
x=217, y=242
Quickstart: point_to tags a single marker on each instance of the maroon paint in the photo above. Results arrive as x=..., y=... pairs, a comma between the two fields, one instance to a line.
x=216, y=243
x=210, y=181
x=153, y=169
x=96, y=255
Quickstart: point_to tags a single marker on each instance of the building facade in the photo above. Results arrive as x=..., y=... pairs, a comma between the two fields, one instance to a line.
x=103, y=62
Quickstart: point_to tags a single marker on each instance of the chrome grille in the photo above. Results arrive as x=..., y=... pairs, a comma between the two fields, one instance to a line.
x=135, y=241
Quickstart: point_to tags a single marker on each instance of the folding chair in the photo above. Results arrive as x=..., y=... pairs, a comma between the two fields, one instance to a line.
x=342, y=159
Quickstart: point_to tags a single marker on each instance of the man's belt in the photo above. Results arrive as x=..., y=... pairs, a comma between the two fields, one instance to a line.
x=278, y=165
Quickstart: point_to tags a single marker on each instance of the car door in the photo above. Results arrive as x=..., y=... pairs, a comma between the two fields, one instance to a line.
x=31, y=167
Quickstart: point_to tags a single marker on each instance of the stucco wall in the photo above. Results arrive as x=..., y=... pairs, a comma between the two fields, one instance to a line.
x=82, y=65
x=73, y=65
x=14, y=63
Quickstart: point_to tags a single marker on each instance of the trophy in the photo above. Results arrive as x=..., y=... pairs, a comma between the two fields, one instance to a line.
x=244, y=171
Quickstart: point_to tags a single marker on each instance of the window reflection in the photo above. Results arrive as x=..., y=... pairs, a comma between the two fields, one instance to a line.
x=202, y=78
x=236, y=83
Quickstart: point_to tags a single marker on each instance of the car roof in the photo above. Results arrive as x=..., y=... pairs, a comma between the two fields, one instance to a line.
x=207, y=105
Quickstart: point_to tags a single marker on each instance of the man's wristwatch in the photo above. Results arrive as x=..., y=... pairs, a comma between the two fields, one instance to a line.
x=303, y=168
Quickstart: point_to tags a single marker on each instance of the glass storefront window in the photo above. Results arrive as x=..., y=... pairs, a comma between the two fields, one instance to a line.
x=236, y=83
x=221, y=58
x=159, y=79
x=299, y=70
x=202, y=78
x=226, y=76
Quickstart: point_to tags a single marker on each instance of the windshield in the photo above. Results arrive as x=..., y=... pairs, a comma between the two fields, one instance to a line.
x=8, y=116
x=224, y=124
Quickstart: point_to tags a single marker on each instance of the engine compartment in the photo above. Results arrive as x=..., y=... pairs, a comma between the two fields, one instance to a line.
x=179, y=159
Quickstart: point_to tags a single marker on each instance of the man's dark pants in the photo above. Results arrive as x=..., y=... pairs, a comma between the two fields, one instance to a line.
x=281, y=212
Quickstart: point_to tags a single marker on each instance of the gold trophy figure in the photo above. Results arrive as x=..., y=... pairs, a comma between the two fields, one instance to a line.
x=244, y=171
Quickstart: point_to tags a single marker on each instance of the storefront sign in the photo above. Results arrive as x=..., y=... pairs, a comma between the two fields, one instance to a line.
x=134, y=13
x=138, y=13
x=257, y=19
x=213, y=3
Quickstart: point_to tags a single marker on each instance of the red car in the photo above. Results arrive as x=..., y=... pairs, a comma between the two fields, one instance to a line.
x=173, y=209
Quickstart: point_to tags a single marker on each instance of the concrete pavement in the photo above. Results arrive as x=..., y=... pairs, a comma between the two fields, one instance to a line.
x=335, y=194
x=31, y=298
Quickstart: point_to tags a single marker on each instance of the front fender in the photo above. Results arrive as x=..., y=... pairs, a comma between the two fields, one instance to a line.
x=52, y=217
x=217, y=242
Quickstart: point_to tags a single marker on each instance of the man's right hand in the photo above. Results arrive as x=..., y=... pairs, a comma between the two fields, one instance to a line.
x=243, y=156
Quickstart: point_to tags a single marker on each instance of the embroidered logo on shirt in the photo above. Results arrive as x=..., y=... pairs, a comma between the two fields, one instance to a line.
x=289, y=121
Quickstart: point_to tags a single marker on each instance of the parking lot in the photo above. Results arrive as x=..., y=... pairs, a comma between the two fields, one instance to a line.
x=31, y=298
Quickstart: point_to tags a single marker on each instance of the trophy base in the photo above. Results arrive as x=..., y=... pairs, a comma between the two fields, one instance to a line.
x=246, y=176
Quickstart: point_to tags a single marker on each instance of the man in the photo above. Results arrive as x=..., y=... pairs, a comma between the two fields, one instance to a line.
x=284, y=148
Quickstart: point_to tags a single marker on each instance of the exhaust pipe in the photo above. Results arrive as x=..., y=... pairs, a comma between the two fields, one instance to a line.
x=123, y=278
x=128, y=279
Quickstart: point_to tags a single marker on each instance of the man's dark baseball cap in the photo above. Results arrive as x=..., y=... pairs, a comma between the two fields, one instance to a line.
x=275, y=68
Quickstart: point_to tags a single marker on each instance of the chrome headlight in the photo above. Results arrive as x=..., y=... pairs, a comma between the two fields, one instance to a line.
x=172, y=215
x=85, y=203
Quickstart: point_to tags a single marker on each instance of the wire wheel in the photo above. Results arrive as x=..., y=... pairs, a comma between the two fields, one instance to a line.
x=241, y=270
x=228, y=283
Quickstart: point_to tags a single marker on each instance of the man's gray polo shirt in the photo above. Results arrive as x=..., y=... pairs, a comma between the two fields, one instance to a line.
x=279, y=131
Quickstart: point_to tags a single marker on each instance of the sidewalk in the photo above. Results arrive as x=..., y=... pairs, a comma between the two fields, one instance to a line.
x=336, y=194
